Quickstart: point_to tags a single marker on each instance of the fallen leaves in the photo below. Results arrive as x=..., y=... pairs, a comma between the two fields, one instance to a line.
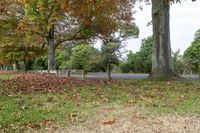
x=42, y=123
x=108, y=121
x=28, y=83
x=180, y=98
x=33, y=125
x=196, y=103
x=48, y=122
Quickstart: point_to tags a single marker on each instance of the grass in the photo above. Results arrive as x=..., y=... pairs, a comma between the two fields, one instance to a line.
x=17, y=112
x=5, y=76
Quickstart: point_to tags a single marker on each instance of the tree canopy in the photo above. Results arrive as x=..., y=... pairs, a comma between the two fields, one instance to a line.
x=54, y=22
x=139, y=62
x=192, y=54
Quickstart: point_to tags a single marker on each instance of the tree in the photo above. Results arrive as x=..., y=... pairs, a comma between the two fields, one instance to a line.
x=61, y=21
x=40, y=63
x=192, y=53
x=178, y=62
x=146, y=53
x=8, y=36
x=21, y=53
x=114, y=34
x=140, y=62
x=109, y=56
x=44, y=17
x=125, y=67
x=85, y=57
x=64, y=54
x=162, y=67
x=15, y=47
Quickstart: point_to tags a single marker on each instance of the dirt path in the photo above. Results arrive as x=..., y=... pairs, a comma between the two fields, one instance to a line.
x=143, y=125
x=126, y=121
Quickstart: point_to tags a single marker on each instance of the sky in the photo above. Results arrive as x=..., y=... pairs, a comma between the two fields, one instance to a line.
x=184, y=22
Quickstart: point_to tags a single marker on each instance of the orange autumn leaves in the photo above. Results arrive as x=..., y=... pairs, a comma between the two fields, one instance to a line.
x=103, y=16
x=72, y=19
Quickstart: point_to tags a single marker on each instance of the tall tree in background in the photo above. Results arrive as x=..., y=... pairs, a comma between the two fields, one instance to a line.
x=110, y=56
x=114, y=29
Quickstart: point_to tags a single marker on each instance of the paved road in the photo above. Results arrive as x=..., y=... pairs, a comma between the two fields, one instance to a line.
x=125, y=76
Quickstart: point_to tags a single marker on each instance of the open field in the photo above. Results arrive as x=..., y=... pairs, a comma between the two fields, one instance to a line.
x=46, y=103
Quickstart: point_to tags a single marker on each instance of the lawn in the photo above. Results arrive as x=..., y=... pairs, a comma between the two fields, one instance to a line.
x=36, y=109
x=5, y=76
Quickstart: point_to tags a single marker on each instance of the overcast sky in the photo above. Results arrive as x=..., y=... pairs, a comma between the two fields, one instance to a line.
x=185, y=20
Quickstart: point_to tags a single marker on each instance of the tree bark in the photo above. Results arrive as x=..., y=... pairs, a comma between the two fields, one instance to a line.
x=6, y=67
x=14, y=66
x=162, y=66
x=51, y=50
x=1, y=67
x=25, y=65
x=109, y=71
x=84, y=75
x=17, y=65
x=69, y=73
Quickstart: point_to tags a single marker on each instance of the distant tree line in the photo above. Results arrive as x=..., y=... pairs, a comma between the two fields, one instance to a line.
x=141, y=61
x=31, y=28
x=83, y=56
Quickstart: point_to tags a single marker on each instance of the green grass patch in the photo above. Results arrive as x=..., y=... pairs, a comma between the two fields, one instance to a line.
x=81, y=104
x=5, y=76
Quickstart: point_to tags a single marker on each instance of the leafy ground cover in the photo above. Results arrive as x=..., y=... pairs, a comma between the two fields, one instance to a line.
x=30, y=83
x=42, y=102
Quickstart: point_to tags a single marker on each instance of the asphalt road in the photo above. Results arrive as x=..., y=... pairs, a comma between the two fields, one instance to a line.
x=125, y=76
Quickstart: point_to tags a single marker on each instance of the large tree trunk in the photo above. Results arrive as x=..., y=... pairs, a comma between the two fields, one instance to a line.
x=51, y=55
x=51, y=50
x=162, y=67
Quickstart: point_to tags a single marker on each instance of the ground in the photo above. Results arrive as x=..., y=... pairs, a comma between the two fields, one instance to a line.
x=138, y=123
x=48, y=103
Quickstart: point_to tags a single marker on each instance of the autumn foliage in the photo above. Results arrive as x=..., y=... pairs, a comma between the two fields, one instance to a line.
x=29, y=83
x=50, y=23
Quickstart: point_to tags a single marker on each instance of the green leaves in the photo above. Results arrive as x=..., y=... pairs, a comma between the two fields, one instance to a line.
x=20, y=53
x=192, y=53
x=140, y=62
x=109, y=53
x=85, y=57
